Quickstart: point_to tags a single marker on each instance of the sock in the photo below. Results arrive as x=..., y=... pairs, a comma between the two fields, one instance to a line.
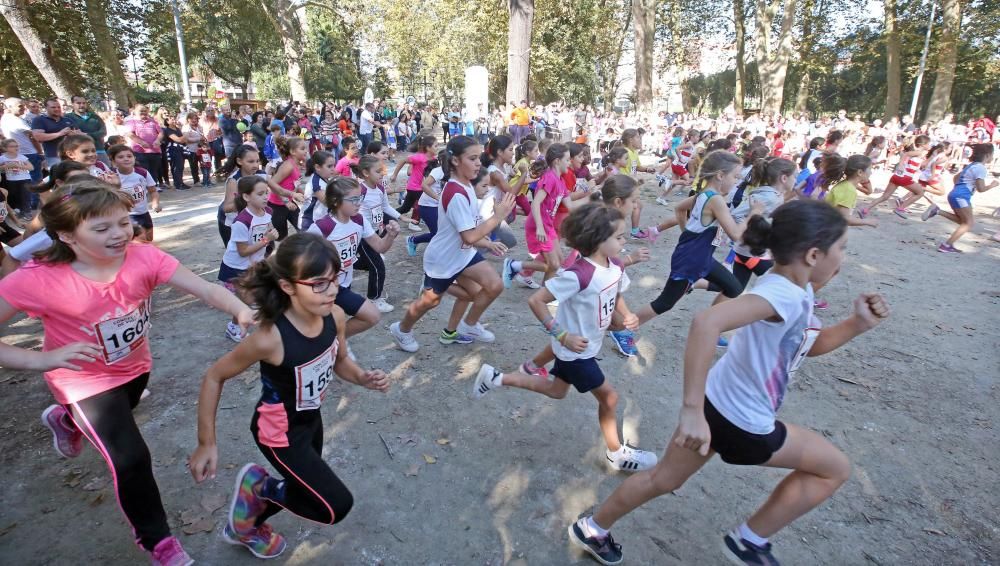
x=750, y=536
x=635, y=230
x=273, y=489
x=516, y=266
x=592, y=529
x=530, y=365
x=446, y=331
x=497, y=378
x=67, y=422
x=653, y=230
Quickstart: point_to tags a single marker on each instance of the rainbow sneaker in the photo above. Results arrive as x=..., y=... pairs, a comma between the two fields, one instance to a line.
x=262, y=542
x=247, y=503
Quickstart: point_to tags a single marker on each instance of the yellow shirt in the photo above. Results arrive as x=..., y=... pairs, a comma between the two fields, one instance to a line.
x=521, y=116
x=843, y=194
x=632, y=164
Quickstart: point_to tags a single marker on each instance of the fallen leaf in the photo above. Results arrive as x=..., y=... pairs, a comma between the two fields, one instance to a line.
x=212, y=502
x=192, y=515
x=97, y=500
x=205, y=525
x=7, y=529
x=414, y=470
x=443, y=441
x=429, y=459
x=94, y=484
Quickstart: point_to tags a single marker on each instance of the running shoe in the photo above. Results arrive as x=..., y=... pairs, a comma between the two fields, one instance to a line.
x=383, y=306
x=247, y=503
x=66, y=438
x=507, y=273
x=660, y=181
x=169, y=552
x=742, y=551
x=484, y=381
x=630, y=459
x=662, y=201
x=415, y=227
x=262, y=541
x=863, y=213
x=948, y=249
x=454, y=338
x=537, y=372
x=899, y=202
x=234, y=332
x=411, y=246
x=476, y=332
x=722, y=343
x=820, y=304
x=625, y=342
x=930, y=212
x=638, y=234
x=527, y=281
x=605, y=550
x=651, y=234
x=404, y=340
x=901, y=212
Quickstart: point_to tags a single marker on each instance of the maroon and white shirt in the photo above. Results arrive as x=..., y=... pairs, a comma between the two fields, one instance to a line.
x=347, y=237
x=587, y=295
x=447, y=254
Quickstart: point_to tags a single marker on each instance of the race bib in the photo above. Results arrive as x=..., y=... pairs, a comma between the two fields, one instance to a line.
x=582, y=185
x=809, y=336
x=348, y=248
x=138, y=193
x=311, y=381
x=606, y=304
x=377, y=216
x=257, y=233
x=121, y=336
x=3, y=212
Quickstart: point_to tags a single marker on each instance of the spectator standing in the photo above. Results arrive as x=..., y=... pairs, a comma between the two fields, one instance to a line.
x=51, y=128
x=145, y=136
x=91, y=124
x=15, y=127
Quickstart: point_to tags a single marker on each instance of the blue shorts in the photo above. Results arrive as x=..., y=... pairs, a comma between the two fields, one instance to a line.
x=583, y=374
x=348, y=300
x=440, y=286
x=960, y=197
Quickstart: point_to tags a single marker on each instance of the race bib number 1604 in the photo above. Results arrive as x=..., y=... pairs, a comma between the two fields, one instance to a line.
x=122, y=335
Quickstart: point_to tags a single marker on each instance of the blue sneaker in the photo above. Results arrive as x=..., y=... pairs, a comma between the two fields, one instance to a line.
x=507, y=273
x=625, y=342
x=411, y=246
x=741, y=551
x=604, y=550
x=454, y=338
x=722, y=343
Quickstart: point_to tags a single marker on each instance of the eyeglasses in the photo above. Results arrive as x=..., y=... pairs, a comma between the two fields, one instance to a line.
x=320, y=286
x=354, y=200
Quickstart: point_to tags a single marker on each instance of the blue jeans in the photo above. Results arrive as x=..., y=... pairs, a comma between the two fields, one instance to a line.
x=365, y=140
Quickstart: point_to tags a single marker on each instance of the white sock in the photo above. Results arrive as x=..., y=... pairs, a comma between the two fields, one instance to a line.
x=516, y=266
x=592, y=529
x=497, y=378
x=654, y=230
x=750, y=536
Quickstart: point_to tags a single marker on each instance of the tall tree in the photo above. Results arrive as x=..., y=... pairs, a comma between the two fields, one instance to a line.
x=107, y=49
x=773, y=51
x=812, y=18
x=644, y=27
x=522, y=12
x=39, y=51
x=740, y=25
x=289, y=21
x=678, y=53
x=951, y=12
x=892, y=71
x=609, y=59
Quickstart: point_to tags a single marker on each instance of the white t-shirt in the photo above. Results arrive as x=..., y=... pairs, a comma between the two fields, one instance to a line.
x=30, y=246
x=346, y=236
x=247, y=228
x=447, y=254
x=375, y=206
x=15, y=174
x=315, y=206
x=747, y=385
x=136, y=185
x=425, y=200
x=367, y=124
x=771, y=199
x=587, y=295
x=16, y=128
x=236, y=176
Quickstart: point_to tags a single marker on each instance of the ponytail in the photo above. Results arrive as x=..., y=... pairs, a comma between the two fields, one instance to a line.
x=796, y=227
x=833, y=169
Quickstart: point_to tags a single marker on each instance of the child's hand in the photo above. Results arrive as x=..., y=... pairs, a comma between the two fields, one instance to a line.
x=575, y=343
x=272, y=234
x=870, y=309
x=393, y=229
x=540, y=234
x=631, y=321
x=870, y=222
x=203, y=462
x=158, y=208
x=376, y=380
x=65, y=357
x=639, y=256
x=504, y=206
x=497, y=248
x=692, y=431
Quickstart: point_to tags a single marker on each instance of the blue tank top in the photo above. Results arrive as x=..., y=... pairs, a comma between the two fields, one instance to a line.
x=692, y=258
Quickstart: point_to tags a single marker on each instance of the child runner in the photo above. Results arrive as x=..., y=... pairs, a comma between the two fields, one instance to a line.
x=138, y=184
x=848, y=177
x=243, y=162
x=451, y=261
x=370, y=170
x=17, y=170
x=632, y=141
x=81, y=148
x=930, y=173
x=95, y=312
x=300, y=345
x=320, y=168
x=680, y=175
x=907, y=173
x=351, y=151
x=423, y=152
x=614, y=163
x=729, y=408
x=589, y=292
x=525, y=154
x=286, y=196
x=347, y=228
x=428, y=204
x=251, y=233
x=971, y=179
x=205, y=156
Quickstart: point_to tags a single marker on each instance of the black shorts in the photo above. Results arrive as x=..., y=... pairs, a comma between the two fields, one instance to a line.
x=7, y=233
x=227, y=274
x=737, y=446
x=440, y=286
x=583, y=374
x=144, y=220
x=350, y=301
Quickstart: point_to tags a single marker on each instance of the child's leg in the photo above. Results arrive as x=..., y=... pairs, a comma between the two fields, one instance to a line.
x=553, y=261
x=636, y=212
x=965, y=221
x=428, y=300
x=555, y=388
x=607, y=415
x=886, y=195
x=463, y=299
x=483, y=275
x=917, y=191
x=545, y=357
x=366, y=317
x=671, y=293
x=820, y=469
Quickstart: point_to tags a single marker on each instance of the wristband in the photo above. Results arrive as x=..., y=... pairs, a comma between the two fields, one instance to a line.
x=561, y=336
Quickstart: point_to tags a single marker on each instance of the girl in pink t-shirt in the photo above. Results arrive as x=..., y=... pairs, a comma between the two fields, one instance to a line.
x=540, y=228
x=350, y=157
x=95, y=312
x=285, y=196
x=423, y=149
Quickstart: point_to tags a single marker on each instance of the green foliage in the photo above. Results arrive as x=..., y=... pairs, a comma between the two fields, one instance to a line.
x=332, y=69
x=168, y=98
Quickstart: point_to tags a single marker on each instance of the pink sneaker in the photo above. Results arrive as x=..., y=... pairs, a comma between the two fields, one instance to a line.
x=66, y=438
x=820, y=305
x=537, y=372
x=651, y=234
x=169, y=552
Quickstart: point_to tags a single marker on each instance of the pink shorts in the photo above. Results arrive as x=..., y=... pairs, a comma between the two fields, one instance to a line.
x=535, y=247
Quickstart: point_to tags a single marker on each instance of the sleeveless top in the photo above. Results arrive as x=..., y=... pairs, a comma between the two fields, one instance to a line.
x=227, y=218
x=692, y=258
x=299, y=382
x=288, y=183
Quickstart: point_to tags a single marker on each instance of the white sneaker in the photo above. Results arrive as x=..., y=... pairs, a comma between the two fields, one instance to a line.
x=477, y=332
x=233, y=332
x=484, y=381
x=383, y=306
x=528, y=282
x=404, y=340
x=415, y=227
x=630, y=459
x=662, y=200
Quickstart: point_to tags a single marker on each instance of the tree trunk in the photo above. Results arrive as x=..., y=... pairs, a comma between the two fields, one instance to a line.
x=107, y=49
x=892, y=56
x=40, y=53
x=289, y=23
x=802, y=96
x=643, y=19
x=678, y=54
x=522, y=12
x=773, y=52
x=806, y=46
x=609, y=64
x=951, y=12
x=739, y=21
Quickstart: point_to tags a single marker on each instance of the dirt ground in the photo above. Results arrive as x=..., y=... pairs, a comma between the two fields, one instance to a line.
x=441, y=479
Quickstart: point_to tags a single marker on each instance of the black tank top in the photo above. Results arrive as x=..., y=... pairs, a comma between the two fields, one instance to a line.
x=301, y=379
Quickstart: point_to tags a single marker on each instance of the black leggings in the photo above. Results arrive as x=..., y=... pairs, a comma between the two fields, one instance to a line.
x=742, y=271
x=411, y=199
x=371, y=261
x=106, y=421
x=224, y=231
x=719, y=279
x=281, y=216
x=311, y=489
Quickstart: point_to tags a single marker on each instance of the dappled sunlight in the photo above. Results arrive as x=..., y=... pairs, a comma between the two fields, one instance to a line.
x=343, y=424
x=650, y=282
x=631, y=417
x=308, y=552
x=505, y=500
x=574, y=497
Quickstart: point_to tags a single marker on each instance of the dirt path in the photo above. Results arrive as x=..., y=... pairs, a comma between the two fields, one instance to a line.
x=441, y=479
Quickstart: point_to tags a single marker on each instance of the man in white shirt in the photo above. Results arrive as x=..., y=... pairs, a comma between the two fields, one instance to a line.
x=366, y=126
x=14, y=126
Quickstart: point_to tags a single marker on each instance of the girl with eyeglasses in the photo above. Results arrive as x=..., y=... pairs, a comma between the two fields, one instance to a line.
x=300, y=345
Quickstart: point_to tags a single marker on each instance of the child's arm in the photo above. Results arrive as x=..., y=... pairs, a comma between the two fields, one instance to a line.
x=683, y=209
x=246, y=249
x=399, y=167
x=284, y=170
x=427, y=186
x=346, y=368
x=538, y=302
x=855, y=221
x=12, y=218
x=629, y=319
x=982, y=187
x=215, y=296
x=501, y=209
x=536, y=213
x=869, y=310
x=717, y=206
x=381, y=244
x=229, y=203
x=12, y=357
